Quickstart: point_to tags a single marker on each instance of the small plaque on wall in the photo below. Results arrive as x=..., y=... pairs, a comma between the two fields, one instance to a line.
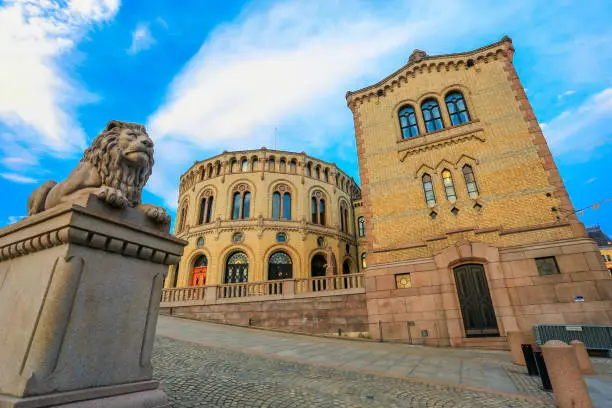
x=403, y=281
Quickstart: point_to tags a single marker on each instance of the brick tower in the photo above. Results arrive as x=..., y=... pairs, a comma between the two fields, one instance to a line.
x=470, y=231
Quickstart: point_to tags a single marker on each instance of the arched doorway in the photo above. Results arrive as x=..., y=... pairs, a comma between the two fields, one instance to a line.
x=198, y=273
x=346, y=267
x=237, y=268
x=475, y=301
x=318, y=265
x=280, y=266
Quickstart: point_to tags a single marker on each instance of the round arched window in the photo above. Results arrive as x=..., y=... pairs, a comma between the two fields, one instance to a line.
x=200, y=242
x=280, y=266
x=237, y=268
x=281, y=237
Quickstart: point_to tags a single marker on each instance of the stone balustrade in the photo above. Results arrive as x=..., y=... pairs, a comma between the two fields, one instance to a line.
x=264, y=290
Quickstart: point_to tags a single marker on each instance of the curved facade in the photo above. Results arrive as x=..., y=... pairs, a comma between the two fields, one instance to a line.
x=258, y=215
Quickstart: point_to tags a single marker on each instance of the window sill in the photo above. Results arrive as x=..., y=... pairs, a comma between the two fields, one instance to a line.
x=466, y=131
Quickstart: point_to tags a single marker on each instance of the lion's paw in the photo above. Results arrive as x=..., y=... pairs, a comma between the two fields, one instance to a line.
x=112, y=196
x=158, y=214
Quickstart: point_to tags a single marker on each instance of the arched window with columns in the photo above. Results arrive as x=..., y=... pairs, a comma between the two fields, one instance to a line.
x=318, y=207
x=241, y=202
x=206, y=206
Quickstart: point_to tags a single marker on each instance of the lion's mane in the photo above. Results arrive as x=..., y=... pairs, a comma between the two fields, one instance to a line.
x=113, y=169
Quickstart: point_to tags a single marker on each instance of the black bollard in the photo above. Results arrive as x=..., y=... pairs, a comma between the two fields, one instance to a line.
x=546, y=384
x=339, y=332
x=532, y=367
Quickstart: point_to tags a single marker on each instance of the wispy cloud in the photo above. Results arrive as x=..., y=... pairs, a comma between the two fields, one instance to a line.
x=566, y=93
x=14, y=218
x=589, y=181
x=18, y=178
x=288, y=66
x=37, y=97
x=142, y=39
x=583, y=129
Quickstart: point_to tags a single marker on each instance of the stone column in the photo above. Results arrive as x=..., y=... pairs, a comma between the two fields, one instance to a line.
x=80, y=287
x=584, y=362
x=567, y=382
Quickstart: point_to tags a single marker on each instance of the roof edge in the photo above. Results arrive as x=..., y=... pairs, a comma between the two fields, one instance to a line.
x=419, y=56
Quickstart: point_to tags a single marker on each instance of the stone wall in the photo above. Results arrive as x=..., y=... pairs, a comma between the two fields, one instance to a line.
x=321, y=314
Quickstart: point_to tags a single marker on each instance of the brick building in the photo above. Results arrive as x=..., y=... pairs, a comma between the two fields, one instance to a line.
x=466, y=232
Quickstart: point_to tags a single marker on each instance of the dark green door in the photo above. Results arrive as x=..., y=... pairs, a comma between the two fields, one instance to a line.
x=475, y=301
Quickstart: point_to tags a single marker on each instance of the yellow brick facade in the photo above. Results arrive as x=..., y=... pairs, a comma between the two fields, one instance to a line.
x=261, y=172
x=519, y=213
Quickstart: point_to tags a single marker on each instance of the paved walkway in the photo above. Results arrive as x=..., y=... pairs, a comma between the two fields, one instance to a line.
x=205, y=364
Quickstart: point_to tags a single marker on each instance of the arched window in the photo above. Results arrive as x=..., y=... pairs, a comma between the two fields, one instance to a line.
x=283, y=166
x=254, y=165
x=455, y=103
x=344, y=221
x=280, y=266
x=246, y=205
x=313, y=210
x=210, y=171
x=276, y=204
x=318, y=265
x=236, y=206
x=363, y=260
x=431, y=115
x=217, y=169
x=317, y=172
x=449, y=186
x=237, y=268
x=346, y=267
x=408, y=122
x=198, y=273
x=470, y=181
x=308, y=169
x=326, y=175
x=271, y=164
x=361, y=226
x=322, y=211
x=292, y=166
x=182, y=219
x=430, y=197
x=244, y=165
x=206, y=207
x=241, y=202
x=287, y=206
x=234, y=166
x=318, y=208
x=281, y=202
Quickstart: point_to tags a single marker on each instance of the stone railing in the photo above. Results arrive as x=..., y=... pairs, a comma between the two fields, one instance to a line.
x=265, y=290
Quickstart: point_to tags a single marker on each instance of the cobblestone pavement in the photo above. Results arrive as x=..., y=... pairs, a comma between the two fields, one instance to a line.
x=207, y=364
x=194, y=375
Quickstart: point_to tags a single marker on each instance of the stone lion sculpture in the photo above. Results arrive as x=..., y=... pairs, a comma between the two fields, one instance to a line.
x=114, y=168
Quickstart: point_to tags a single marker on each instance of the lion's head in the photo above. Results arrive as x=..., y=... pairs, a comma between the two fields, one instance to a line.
x=123, y=156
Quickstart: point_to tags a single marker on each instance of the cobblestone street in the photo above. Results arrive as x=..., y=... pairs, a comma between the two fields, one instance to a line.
x=209, y=365
x=201, y=376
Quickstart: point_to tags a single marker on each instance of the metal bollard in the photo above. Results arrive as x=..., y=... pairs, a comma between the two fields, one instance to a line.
x=546, y=384
x=530, y=362
x=339, y=331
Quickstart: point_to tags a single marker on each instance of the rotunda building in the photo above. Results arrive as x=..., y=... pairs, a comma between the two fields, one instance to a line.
x=264, y=215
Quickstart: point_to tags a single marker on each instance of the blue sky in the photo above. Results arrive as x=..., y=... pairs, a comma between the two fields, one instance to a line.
x=208, y=76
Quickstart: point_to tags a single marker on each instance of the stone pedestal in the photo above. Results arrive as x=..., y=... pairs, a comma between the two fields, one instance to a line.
x=515, y=340
x=584, y=362
x=80, y=287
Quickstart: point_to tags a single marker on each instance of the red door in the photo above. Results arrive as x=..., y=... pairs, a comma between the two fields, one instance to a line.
x=198, y=276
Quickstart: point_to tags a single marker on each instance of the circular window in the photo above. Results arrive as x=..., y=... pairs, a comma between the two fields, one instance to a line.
x=321, y=242
x=200, y=242
x=281, y=237
x=237, y=237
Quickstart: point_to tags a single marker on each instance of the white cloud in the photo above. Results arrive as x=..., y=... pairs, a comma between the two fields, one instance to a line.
x=37, y=98
x=289, y=66
x=18, y=178
x=142, y=39
x=14, y=218
x=589, y=181
x=566, y=93
x=581, y=130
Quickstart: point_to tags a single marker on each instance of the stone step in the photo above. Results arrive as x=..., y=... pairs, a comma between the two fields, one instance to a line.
x=485, y=343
